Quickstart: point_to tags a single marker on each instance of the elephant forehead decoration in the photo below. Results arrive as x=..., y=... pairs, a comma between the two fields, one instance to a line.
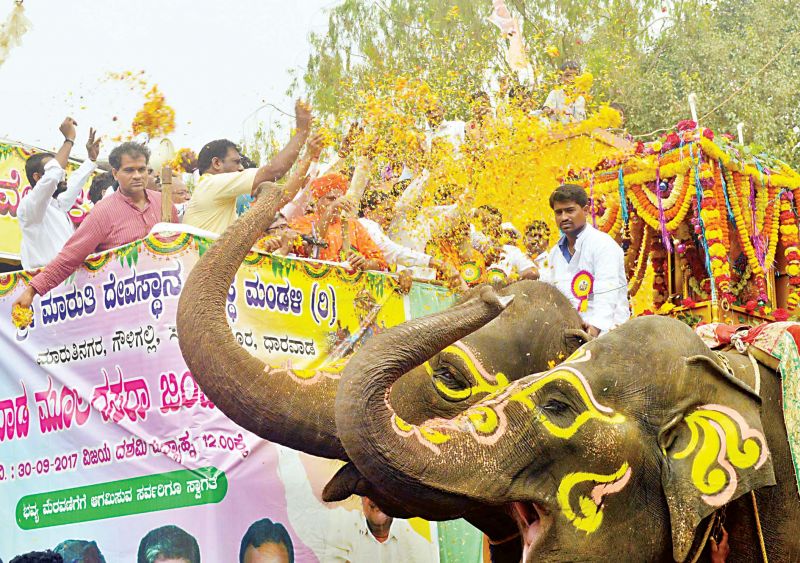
x=590, y=514
x=486, y=421
x=716, y=434
x=484, y=381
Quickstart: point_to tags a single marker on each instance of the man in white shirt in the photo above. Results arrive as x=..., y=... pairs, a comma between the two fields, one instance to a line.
x=337, y=534
x=413, y=226
x=587, y=265
x=558, y=106
x=494, y=243
x=374, y=537
x=43, y=213
x=442, y=130
x=375, y=214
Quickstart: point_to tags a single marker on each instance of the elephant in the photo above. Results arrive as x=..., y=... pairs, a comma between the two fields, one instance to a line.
x=629, y=450
x=540, y=329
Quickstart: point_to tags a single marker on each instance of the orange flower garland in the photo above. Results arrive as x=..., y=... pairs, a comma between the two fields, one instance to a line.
x=640, y=267
x=791, y=245
x=717, y=245
x=742, y=226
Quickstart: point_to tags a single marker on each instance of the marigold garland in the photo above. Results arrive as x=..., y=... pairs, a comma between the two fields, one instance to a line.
x=791, y=246
x=713, y=221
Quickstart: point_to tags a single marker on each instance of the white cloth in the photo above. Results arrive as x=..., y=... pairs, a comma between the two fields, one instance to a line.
x=600, y=255
x=393, y=252
x=513, y=261
x=566, y=112
x=414, y=228
x=336, y=534
x=451, y=131
x=43, y=219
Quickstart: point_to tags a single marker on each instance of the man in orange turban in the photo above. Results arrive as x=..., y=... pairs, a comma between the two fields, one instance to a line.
x=333, y=211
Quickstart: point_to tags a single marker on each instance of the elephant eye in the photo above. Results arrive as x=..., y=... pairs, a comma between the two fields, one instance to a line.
x=553, y=406
x=449, y=378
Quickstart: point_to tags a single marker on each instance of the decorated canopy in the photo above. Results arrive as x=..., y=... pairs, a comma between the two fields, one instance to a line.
x=715, y=221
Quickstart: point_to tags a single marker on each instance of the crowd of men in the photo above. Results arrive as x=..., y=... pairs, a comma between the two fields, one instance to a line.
x=334, y=213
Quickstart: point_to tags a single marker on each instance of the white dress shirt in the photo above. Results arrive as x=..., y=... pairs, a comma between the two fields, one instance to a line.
x=513, y=261
x=565, y=111
x=599, y=255
x=451, y=131
x=393, y=252
x=43, y=219
x=336, y=534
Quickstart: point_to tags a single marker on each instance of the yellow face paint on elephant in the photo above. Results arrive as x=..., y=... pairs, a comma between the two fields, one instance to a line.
x=590, y=515
x=594, y=410
x=718, y=452
x=483, y=383
x=486, y=421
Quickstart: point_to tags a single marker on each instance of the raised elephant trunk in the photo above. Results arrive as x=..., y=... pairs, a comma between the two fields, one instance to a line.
x=264, y=400
x=385, y=449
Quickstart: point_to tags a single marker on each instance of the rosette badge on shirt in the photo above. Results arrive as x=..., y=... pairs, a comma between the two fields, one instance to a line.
x=582, y=285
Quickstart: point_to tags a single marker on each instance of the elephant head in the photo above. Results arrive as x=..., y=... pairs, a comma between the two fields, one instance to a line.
x=280, y=406
x=640, y=434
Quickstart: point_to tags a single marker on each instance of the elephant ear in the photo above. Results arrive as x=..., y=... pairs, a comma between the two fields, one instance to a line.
x=714, y=449
x=575, y=338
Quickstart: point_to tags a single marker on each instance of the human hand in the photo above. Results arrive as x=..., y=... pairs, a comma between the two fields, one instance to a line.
x=270, y=244
x=314, y=145
x=288, y=238
x=93, y=145
x=67, y=128
x=349, y=139
x=344, y=206
x=719, y=553
x=405, y=281
x=302, y=115
x=357, y=260
x=25, y=300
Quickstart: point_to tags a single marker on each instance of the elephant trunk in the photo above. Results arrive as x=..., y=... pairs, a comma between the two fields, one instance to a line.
x=391, y=454
x=271, y=403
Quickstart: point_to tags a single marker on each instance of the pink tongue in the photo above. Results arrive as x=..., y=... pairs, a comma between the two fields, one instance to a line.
x=531, y=532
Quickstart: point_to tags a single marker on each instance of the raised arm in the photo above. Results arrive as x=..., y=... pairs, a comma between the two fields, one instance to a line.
x=298, y=177
x=33, y=206
x=280, y=164
x=412, y=194
x=78, y=179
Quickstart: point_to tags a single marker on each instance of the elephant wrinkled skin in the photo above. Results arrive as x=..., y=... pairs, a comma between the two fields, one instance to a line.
x=621, y=453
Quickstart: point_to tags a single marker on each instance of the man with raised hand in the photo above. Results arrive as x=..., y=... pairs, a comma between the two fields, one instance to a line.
x=125, y=216
x=44, y=211
x=223, y=178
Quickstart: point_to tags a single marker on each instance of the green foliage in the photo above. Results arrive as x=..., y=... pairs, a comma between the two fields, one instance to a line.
x=647, y=54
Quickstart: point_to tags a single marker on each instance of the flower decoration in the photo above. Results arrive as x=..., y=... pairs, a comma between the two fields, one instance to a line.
x=791, y=245
x=156, y=118
x=780, y=314
x=22, y=317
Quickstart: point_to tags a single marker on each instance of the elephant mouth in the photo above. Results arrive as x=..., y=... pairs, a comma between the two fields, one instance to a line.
x=533, y=521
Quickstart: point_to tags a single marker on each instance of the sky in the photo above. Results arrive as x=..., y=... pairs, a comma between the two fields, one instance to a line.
x=216, y=61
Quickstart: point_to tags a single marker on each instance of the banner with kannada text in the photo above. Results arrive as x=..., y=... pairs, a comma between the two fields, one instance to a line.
x=105, y=436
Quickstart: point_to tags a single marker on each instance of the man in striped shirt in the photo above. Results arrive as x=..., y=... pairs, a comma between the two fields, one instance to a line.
x=125, y=216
